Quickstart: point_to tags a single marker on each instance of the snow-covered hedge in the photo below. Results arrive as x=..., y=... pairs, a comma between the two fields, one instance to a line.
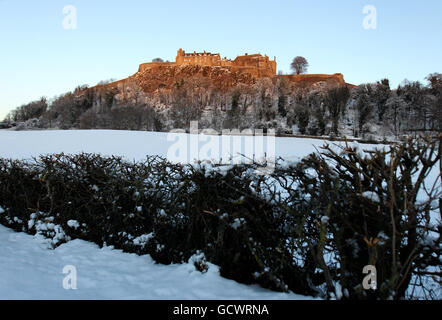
x=309, y=227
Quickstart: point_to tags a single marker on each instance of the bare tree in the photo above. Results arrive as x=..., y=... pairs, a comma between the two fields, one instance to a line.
x=28, y=111
x=299, y=65
x=336, y=100
x=435, y=110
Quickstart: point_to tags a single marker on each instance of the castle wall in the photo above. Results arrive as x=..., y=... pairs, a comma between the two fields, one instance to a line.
x=149, y=65
x=205, y=60
x=309, y=79
x=256, y=64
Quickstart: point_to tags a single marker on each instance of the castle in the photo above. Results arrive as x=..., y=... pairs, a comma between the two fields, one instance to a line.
x=255, y=64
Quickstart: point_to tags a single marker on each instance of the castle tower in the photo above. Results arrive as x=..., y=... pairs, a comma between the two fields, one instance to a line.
x=180, y=57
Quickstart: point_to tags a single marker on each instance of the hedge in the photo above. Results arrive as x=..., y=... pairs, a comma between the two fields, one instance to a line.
x=309, y=227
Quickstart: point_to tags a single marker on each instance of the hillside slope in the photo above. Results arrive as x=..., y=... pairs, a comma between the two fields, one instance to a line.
x=158, y=77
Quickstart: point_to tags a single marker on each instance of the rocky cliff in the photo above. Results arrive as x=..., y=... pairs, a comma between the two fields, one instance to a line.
x=161, y=76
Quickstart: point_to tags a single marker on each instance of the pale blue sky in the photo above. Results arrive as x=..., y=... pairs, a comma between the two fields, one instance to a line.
x=38, y=57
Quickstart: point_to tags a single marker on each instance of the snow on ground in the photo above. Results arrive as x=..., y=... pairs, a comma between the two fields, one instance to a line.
x=135, y=145
x=28, y=270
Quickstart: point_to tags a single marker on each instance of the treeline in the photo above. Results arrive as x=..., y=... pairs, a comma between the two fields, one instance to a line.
x=28, y=111
x=368, y=110
x=310, y=227
x=85, y=108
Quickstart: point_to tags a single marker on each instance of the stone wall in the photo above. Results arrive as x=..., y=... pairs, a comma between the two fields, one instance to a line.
x=256, y=64
x=149, y=65
x=309, y=79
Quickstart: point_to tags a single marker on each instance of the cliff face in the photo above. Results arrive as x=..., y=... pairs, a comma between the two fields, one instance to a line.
x=160, y=76
x=151, y=85
x=169, y=77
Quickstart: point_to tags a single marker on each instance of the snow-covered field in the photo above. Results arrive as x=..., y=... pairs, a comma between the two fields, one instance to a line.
x=135, y=145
